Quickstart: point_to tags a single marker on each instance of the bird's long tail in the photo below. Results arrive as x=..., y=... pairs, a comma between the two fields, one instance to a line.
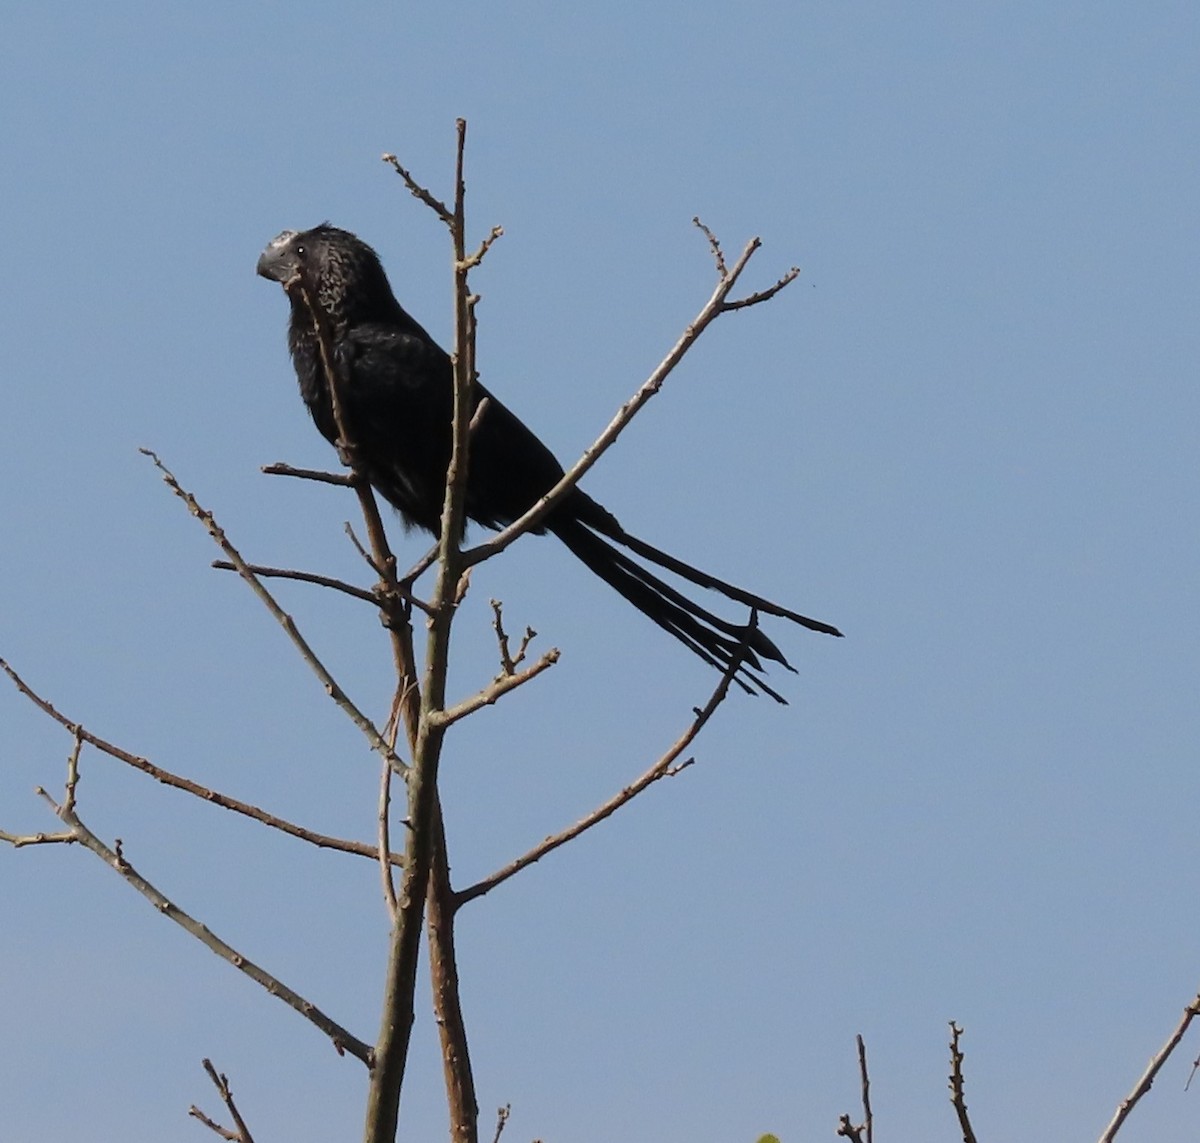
x=703, y=579
x=715, y=640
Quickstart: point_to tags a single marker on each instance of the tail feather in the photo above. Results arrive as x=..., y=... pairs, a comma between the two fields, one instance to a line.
x=718, y=642
x=750, y=635
x=703, y=579
x=594, y=515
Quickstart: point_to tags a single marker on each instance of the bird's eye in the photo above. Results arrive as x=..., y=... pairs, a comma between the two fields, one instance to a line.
x=300, y=251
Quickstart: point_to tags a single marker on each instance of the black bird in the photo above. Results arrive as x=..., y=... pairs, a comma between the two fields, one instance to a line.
x=396, y=388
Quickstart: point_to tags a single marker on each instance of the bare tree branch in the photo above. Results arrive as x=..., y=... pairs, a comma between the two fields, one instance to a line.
x=216, y=1128
x=865, y=1079
x=19, y=840
x=447, y=999
x=848, y=1130
x=343, y=1040
x=436, y=205
x=665, y=767
x=304, y=577
x=332, y=688
x=499, y=686
x=715, y=246
x=473, y=260
x=957, y=1093
x=717, y=304
x=1144, y=1084
x=762, y=295
x=204, y=793
x=426, y=866
x=508, y=661
x=385, y=819
x=859, y=1133
x=426, y=874
x=281, y=469
x=242, y=1134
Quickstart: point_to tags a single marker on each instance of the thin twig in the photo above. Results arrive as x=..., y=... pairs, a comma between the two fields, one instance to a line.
x=865, y=1078
x=435, y=204
x=957, y=1093
x=665, y=767
x=480, y=412
x=392, y=595
x=717, y=304
x=281, y=469
x=204, y=793
x=715, y=246
x=499, y=686
x=421, y=566
x=762, y=295
x=221, y=1082
x=332, y=688
x=343, y=1040
x=362, y=593
x=18, y=840
x=848, y=1130
x=384, y=561
x=473, y=260
x=304, y=577
x=385, y=815
x=502, y=1114
x=463, y=586
x=216, y=1128
x=1144, y=1084
x=508, y=661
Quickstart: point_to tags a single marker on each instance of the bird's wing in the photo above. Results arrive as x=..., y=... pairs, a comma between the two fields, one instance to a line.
x=398, y=395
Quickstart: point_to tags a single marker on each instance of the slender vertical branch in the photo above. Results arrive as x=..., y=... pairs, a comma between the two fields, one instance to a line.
x=426, y=838
x=865, y=1080
x=443, y=973
x=847, y=1128
x=958, y=1095
x=384, y=833
x=456, y=1064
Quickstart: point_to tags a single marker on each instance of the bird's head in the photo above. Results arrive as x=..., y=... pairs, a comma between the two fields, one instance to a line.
x=282, y=259
x=333, y=266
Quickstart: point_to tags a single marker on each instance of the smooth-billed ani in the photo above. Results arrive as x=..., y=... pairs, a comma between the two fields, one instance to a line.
x=396, y=388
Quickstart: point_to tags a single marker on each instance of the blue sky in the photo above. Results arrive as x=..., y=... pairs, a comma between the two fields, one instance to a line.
x=967, y=435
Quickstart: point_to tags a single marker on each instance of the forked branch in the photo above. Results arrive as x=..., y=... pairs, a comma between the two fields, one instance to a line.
x=332, y=688
x=240, y=1132
x=187, y=785
x=78, y=833
x=862, y=1132
x=717, y=304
